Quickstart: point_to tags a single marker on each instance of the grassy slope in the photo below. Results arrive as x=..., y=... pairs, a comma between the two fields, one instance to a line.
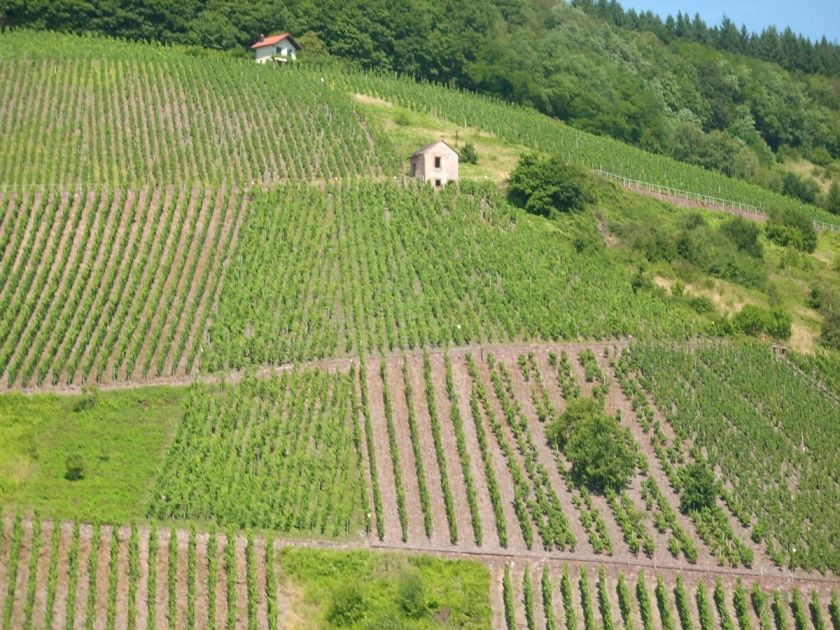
x=121, y=438
x=456, y=591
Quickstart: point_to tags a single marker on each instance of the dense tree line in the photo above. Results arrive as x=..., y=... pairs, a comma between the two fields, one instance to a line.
x=789, y=50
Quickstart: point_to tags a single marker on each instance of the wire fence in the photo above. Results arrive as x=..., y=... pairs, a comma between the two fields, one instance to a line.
x=710, y=201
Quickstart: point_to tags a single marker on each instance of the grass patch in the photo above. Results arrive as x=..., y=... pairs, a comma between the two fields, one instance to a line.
x=118, y=438
x=409, y=130
x=363, y=589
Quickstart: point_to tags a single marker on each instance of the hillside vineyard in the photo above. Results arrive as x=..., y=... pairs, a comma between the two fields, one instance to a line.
x=232, y=334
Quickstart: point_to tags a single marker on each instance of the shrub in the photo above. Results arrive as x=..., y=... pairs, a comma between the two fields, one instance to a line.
x=830, y=332
x=468, y=154
x=348, y=606
x=546, y=186
x=74, y=467
x=744, y=235
x=699, y=488
x=755, y=320
x=832, y=199
x=412, y=594
x=804, y=189
x=603, y=454
x=792, y=228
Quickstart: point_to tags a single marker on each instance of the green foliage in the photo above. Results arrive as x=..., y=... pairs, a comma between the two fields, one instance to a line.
x=412, y=594
x=547, y=600
x=348, y=606
x=568, y=599
x=302, y=415
x=755, y=320
x=602, y=453
x=508, y=599
x=735, y=399
x=74, y=467
x=832, y=199
x=469, y=155
x=704, y=609
x=789, y=227
x=830, y=330
x=803, y=188
x=744, y=234
x=720, y=605
x=699, y=488
x=548, y=186
x=642, y=596
x=528, y=599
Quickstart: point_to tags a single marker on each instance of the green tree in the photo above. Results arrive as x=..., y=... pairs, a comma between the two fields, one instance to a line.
x=546, y=186
x=832, y=199
x=348, y=606
x=603, y=454
x=699, y=488
x=578, y=410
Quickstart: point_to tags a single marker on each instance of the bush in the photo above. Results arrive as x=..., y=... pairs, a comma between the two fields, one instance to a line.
x=603, y=455
x=792, y=228
x=744, y=234
x=546, y=186
x=832, y=199
x=699, y=488
x=75, y=467
x=348, y=606
x=578, y=410
x=754, y=320
x=830, y=333
x=412, y=595
x=468, y=154
x=804, y=189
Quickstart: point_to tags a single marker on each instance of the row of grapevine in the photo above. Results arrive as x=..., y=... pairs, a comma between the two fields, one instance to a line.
x=167, y=117
x=67, y=575
x=767, y=429
x=550, y=595
x=276, y=453
x=111, y=285
x=363, y=267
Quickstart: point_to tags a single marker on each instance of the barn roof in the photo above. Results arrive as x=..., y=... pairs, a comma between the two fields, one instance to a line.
x=433, y=144
x=271, y=40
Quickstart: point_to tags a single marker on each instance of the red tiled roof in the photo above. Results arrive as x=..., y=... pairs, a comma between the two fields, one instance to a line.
x=271, y=40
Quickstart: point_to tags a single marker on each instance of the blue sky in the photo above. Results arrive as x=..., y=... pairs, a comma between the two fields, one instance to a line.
x=812, y=18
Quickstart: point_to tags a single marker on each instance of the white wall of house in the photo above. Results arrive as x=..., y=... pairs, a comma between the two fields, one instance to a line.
x=438, y=165
x=283, y=49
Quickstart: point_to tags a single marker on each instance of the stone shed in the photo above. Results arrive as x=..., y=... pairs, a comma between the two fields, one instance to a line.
x=436, y=163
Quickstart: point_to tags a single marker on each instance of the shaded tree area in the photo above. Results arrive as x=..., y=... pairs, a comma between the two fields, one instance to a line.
x=789, y=50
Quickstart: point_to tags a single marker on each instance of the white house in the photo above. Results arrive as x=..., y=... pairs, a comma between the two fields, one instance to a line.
x=281, y=47
x=436, y=163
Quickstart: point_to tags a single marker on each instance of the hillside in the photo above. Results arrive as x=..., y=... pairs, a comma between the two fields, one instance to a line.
x=254, y=376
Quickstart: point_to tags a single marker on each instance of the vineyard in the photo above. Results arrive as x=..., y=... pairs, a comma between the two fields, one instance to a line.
x=376, y=267
x=97, y=112
x=281, y=454
x=725, y=401
x=110, y=285
x=527, y=127
x=73, y=575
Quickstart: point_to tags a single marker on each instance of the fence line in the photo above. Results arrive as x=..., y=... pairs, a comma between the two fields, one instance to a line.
x=735, y=206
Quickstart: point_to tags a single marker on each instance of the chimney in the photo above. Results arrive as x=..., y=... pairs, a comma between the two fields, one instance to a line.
x=262, y=36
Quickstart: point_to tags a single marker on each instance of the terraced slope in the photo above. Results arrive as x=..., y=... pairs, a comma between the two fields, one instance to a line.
x=94, y=111
x=111, y=285
x=67, y=574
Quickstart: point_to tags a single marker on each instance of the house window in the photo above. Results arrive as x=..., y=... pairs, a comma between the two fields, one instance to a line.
x=437, y=161
x=437, y=183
